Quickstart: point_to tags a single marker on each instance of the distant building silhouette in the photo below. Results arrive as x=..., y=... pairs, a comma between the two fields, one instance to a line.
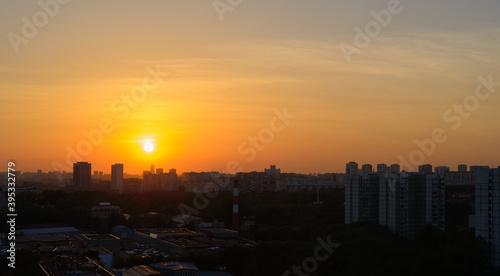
x=395, y=168
x=426, y=168
x=381, y=168
x=367, y=168
x=441, y=170
x=117, y=177
x=462, y=168
x=272, y=170
x=82, y=175
x=474, y=168
x=147, y=181
x=351, y=168
x=160, y=181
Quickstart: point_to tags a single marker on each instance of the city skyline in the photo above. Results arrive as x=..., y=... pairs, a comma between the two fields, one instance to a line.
x=359, y=80
x=360, y=168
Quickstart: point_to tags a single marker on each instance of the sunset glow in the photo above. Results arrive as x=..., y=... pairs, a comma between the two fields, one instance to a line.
x=202, y=90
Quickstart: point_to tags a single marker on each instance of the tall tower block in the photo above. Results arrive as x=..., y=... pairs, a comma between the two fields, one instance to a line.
x=235, y=205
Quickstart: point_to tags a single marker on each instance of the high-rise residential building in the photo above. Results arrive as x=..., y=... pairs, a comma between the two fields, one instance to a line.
x=459, y=178
x=157, y=179
x=117, y=177
x=441, y=170
x=170, y=181
x=351, y=168
x=405, y=202
x=393, y=202
x=426, y=168
x=147, y=181
x=395, y=168
x=367, y=168
x=362, y=197
x=474, y=168
x=382, y=168
x=160, y=181
x=487, y=182
x=462, y=168
x=82, y=173
x=352, y=199
x=409, y=201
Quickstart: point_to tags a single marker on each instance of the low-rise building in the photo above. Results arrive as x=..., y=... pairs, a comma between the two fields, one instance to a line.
x=172, y=268
x=107, y=241
x=105, y=210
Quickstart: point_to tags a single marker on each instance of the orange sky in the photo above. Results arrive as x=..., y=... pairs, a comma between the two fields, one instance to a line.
x=225, y=78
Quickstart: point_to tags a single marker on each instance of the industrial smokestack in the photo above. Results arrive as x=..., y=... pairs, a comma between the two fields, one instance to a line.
x=235, y=205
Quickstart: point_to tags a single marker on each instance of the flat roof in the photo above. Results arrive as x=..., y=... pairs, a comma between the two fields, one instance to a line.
x=48, y=231
x=101, y=250
x=174, y=265
x=100, y=236
x=141, y=270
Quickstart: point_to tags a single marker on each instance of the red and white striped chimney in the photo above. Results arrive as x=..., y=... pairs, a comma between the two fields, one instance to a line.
x=235, y=204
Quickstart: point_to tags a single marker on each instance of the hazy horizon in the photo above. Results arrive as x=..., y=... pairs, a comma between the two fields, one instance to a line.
x=166, y=169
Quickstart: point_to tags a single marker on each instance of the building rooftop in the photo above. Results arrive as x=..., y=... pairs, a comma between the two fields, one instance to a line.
x=100, y=237
x=101, y=250
x=174, y=265
x=55, y=231
x=141, y=270
x=168, y=268
x=168, y=232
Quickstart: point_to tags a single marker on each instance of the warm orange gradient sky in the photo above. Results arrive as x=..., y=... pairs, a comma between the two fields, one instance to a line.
x=226, y=77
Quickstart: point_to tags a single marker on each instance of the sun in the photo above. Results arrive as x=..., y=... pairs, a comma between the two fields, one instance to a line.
x=148, y=146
